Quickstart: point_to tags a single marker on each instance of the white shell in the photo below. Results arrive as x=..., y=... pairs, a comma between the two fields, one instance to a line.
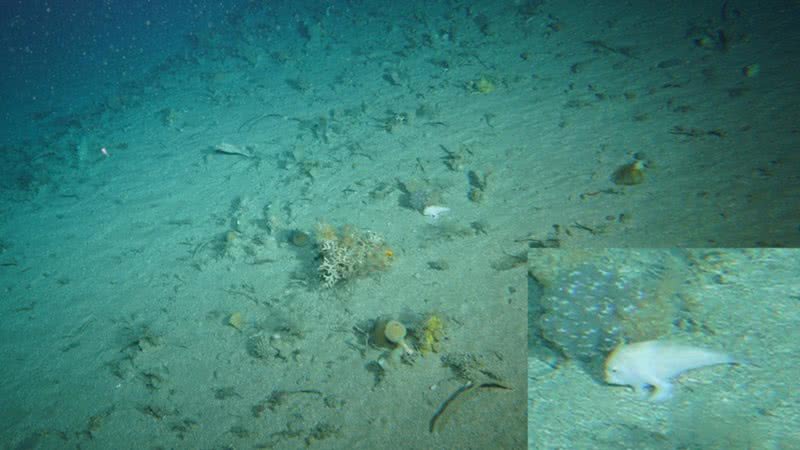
x=435, y=211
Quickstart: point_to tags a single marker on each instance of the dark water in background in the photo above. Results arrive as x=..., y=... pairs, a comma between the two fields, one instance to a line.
x=63, y=54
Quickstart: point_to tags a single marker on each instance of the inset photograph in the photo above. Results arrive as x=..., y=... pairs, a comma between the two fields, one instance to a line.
x=663, y=349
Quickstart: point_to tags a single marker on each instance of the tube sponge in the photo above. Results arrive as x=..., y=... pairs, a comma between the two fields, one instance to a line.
x=391, y=333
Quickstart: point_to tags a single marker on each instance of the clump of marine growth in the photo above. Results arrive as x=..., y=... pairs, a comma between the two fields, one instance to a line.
x=348, y=253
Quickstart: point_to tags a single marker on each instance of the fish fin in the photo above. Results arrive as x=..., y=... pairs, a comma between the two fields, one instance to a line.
x=644, y=391
x=662, y=391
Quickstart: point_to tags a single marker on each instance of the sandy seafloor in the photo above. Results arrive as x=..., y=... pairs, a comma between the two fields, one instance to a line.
x=741, y=302
x=118, y=281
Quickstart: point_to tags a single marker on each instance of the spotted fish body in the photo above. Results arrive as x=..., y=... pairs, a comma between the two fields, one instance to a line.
x=653, y=364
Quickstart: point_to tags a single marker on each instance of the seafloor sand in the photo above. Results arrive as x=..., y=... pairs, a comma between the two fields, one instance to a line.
x=118, y=279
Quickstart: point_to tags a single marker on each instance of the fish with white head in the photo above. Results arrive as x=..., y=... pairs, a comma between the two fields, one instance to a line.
x=649, y=367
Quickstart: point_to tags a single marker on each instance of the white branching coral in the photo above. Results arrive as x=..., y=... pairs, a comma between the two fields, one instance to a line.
x=337, y=263
x=349, y=254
